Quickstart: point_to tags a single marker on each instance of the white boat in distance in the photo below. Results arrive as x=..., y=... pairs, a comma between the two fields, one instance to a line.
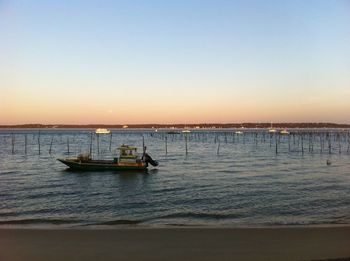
x=271, y=129
x=102, y=131
x=285, y=132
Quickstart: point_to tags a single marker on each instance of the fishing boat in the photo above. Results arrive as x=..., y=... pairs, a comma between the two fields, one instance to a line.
x=102, y=131
x=128, y=159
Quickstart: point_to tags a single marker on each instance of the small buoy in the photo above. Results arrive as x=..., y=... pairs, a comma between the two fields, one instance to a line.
x=329, y=162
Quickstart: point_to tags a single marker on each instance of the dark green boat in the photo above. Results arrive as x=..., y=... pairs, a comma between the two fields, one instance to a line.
x=128, y=160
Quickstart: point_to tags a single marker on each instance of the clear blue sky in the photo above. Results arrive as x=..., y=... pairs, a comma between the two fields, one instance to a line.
x=174, y=61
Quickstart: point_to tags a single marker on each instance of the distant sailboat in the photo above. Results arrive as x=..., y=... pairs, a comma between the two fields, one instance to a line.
x=271, y=129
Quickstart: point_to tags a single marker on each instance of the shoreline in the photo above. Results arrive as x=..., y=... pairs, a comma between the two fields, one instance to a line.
x=49, y=226
x=177, y=243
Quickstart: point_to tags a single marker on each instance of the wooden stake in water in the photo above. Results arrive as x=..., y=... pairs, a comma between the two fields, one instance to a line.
x=68, y=145
x=309, y=142
x=143, y=146
x=276, y=144
x=13, y=143
x=110, y=142
x=51, y=145
x=302, y=144
x=218, y=149
x=166, y=145
x=294, y=139
x=39, y=142
x=186, y=143
x=98, y=144
x=91, y=143
x=289, y=143
x=25, y=144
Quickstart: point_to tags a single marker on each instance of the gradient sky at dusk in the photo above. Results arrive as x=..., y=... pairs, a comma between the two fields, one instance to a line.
x=188, y=61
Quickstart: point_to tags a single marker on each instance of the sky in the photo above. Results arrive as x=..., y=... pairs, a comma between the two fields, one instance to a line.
x=183, y=61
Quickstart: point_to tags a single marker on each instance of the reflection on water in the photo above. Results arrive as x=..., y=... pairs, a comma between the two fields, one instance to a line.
x=245, y=184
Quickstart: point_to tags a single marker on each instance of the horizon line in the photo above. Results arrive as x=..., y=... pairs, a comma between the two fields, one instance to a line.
x=211, y=124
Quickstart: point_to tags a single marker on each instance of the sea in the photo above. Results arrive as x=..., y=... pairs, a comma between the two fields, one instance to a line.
x=206, y=177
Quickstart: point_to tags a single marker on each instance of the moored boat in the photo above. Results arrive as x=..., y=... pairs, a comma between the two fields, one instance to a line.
x=102, y=131
x=284, y=132
x=128, y=160
x=271, y=129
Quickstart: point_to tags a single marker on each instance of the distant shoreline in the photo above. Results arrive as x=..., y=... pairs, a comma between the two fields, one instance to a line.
x=179, y=126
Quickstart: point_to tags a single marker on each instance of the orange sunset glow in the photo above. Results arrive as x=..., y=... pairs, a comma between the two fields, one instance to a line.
x=205, y=69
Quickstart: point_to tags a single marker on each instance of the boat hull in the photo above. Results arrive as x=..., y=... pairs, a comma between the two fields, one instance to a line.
x=92, y=166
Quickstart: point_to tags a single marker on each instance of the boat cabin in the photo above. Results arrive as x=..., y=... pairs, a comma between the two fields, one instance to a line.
x=127, y=151
x=128, y=154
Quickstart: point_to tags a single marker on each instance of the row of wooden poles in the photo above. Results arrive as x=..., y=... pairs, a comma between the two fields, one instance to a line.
x=304, y=141
x=38, y=137
x=275, y=139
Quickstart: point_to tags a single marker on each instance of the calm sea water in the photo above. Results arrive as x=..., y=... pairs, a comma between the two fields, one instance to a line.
x=244, y=183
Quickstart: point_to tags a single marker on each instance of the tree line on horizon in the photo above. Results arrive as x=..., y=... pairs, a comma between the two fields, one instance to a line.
x=199, y=125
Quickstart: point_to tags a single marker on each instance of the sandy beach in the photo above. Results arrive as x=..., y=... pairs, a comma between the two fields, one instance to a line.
x=282, y=243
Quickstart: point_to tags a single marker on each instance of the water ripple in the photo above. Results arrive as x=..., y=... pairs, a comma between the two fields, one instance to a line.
x=247, y=183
